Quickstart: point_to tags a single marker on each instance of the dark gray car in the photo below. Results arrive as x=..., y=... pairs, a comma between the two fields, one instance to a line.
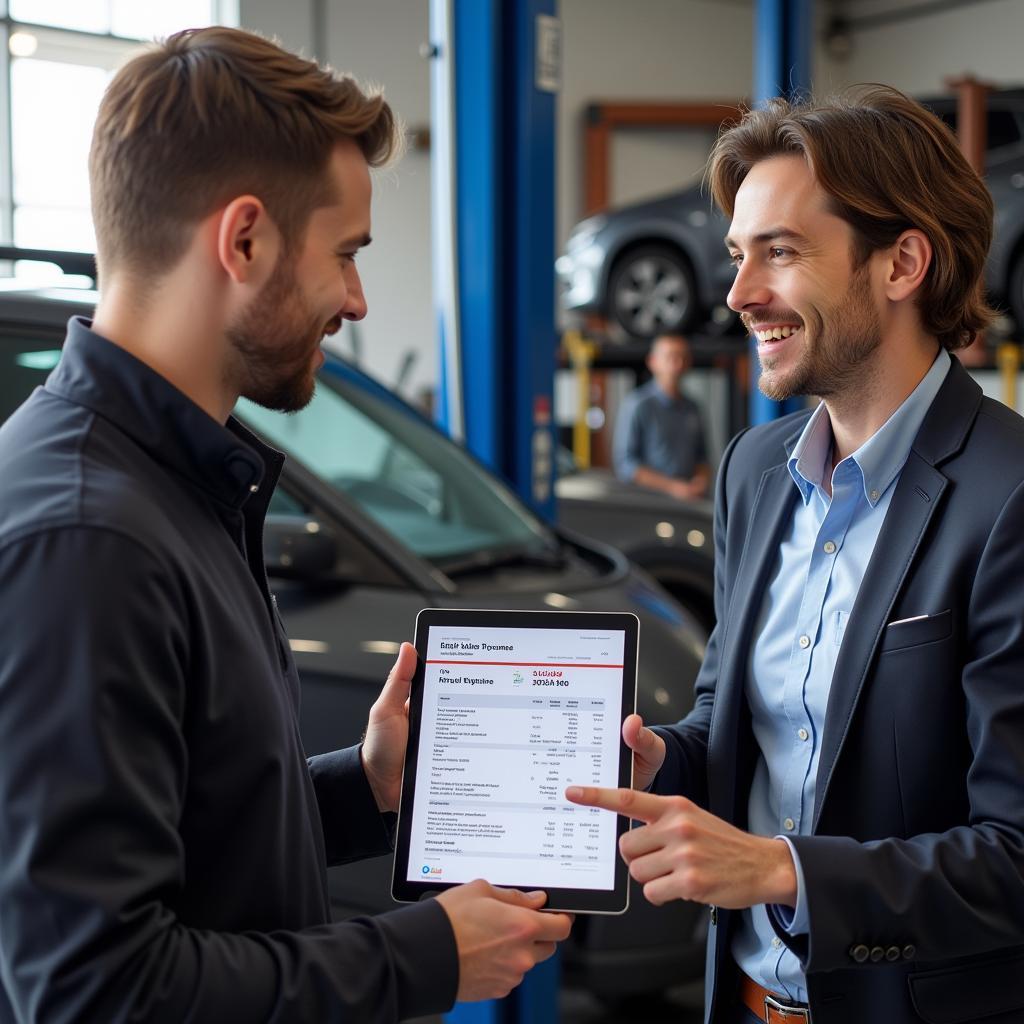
x=378, y=515
x=660, y=265
x=669, y=538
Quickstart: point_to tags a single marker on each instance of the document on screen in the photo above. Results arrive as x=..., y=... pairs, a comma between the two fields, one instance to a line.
x=510, y=717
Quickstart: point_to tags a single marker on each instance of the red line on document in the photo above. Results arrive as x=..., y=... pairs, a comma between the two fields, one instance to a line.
x=524, y=664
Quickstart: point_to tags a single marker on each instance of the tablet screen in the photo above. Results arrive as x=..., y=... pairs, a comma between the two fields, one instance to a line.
x=508, y=716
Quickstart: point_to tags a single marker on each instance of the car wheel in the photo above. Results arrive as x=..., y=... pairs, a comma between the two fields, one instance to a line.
x=651, y=291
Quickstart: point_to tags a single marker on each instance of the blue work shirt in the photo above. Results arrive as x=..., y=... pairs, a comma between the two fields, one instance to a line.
x=660, y=432
x=799, y=631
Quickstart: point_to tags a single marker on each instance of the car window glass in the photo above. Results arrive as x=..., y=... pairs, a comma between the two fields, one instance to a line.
x=284, y=504
x=24, y=365
x=400, y=472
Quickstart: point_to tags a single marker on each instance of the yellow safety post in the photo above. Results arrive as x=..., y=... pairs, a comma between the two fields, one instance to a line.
x=1008, y=357
x=581, y=355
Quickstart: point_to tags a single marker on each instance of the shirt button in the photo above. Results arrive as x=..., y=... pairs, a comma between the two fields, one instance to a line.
x=804, y=641
x=873, y=495
x=253, y=488
x=789, y=824
x=802, y=733
x=829, y=547
x=776, y=942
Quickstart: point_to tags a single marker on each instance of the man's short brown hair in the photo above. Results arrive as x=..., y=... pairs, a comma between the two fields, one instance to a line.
x=887, y=164
x=210, y=114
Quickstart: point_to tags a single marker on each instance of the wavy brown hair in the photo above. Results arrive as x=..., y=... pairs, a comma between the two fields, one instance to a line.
x=210, y=114
x=887, y=164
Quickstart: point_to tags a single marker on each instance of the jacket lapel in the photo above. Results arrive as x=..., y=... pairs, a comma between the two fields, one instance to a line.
x=914, y=502
x=769, y=516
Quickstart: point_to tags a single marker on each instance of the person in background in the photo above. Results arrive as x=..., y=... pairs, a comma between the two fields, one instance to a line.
x=659, y=438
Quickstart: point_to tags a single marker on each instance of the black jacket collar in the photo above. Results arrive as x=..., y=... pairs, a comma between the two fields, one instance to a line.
x=229, y=462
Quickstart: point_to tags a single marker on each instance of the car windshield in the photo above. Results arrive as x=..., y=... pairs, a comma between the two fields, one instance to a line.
x=404, y=475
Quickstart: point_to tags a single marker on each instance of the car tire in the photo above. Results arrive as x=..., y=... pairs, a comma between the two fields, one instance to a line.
x=651, y=291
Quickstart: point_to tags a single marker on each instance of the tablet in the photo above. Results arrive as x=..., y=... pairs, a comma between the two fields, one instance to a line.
x=507, y=709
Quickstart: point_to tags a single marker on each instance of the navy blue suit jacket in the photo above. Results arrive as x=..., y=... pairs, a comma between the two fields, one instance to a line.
x=915, y=866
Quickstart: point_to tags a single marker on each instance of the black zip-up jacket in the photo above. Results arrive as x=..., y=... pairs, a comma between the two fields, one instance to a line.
x=163, y=839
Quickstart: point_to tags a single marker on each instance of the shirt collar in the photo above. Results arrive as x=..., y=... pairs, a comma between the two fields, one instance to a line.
x=882, y=456
x=228, y=461
x=653, y=389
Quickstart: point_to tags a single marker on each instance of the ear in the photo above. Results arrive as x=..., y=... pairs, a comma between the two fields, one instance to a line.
x=248, y=241
x=908, y=261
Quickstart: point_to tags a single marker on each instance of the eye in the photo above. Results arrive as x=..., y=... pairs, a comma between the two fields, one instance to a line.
x=736, y=258
x=778, y=251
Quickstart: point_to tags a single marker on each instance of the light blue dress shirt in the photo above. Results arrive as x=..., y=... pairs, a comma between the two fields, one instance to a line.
x=799, y=631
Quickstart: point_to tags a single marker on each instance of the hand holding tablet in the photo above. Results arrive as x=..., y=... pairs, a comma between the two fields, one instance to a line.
x=507, y=709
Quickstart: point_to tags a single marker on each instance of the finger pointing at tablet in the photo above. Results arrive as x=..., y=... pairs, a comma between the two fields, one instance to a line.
x=685, y=852
x=500, y=934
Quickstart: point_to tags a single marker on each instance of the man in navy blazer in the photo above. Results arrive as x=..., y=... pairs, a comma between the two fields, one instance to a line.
x=848, y=792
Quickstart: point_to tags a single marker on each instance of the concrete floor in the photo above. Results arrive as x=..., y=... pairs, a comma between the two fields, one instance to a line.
x=684, y=1005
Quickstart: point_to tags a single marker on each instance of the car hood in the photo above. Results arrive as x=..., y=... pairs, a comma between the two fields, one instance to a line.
x=603, y=486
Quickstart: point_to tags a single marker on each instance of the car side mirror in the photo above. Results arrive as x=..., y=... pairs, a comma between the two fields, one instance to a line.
x=297, y=547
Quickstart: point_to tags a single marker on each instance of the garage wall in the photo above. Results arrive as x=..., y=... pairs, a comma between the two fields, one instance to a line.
x=291, y=23
x=669, y=50
x=378, y=42
x=983, y=38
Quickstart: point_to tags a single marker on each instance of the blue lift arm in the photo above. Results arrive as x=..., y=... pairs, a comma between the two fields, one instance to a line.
x=494, y=81
x=493, y=109
x=782, y=67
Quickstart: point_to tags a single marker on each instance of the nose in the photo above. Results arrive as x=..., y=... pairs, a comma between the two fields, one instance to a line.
x=354, y=306
x=749, y=289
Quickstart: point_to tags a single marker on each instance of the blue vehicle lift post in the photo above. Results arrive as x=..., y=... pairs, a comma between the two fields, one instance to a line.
x=493, y=120
x=493, y=89
x=782, y=67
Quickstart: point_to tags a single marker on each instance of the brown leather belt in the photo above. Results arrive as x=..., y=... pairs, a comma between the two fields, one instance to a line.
x=767, y=1006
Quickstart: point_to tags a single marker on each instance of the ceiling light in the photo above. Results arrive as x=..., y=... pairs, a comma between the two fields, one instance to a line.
x=380, y=646
x=23, y=44
x=308, y=646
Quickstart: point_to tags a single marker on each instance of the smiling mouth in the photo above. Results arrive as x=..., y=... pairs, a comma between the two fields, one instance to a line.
x=771, y=335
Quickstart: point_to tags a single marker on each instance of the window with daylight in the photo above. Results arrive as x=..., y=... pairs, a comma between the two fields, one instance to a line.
x=59, y=57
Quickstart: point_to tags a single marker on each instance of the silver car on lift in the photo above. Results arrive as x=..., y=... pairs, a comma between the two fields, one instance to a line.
x=661, y=265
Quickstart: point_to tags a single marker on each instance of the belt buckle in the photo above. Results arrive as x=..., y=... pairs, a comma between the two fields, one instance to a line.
x=787, y=1013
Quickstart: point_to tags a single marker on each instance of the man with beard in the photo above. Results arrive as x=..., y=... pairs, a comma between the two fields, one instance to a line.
x=163, y=840
x=847, y=793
